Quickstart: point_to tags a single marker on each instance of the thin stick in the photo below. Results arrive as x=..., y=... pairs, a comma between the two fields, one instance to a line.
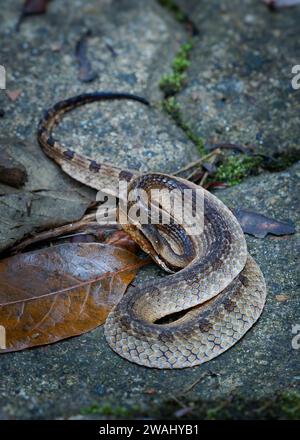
x=205, y=175
x=213, y=156
x=87, y=220
x=196, y=162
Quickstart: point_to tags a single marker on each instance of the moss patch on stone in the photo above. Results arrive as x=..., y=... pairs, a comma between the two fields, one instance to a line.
x=111, y=410
x=173, y=82
x=235, y=168
x=281, y=161
x=180, y=15
x=175, y=10
x=172, y=107
x=284, y=405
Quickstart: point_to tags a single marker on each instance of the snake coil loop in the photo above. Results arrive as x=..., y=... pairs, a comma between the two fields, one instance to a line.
x=217, y=287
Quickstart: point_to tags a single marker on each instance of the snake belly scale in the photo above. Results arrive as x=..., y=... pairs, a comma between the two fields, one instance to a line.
x=216, y=285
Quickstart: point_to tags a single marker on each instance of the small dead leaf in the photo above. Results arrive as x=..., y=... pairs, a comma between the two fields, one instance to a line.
x=13, y=94
x=12, y=172
x=86, y=73
x=32, y=7
x=229, y=146
x=215, y=185
x=281, y=298
x=259, y=225
x=62, y=291
x=151, y=391
x=56, y=47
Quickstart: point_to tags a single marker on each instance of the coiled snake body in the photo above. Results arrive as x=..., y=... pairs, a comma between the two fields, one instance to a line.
x=216, y=282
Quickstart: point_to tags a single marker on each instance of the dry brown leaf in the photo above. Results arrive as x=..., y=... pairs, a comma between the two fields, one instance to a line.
x=63, y=291
x=13, y=94
x=282, y=297
x=12, y=172
x=86, y=73
x=32, y=7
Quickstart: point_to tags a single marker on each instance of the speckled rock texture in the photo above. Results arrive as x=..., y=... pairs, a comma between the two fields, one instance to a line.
x=238, y=89
x=127, y=43
x=239, y=84
x=61, y=380
x=47, y=199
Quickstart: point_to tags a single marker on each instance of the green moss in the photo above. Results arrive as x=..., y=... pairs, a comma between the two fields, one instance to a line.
x=115, y=411
x=171, y=6
x=180, y=64
x=214, y=412
x=284, y=405
x=290, y=405
x=236, y=167
x=92, y=409
x=173, y=82
x=172, y=107
x=281, y=161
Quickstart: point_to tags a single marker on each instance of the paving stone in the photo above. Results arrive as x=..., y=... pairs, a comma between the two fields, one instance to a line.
x=239, y=84
x=62, y=379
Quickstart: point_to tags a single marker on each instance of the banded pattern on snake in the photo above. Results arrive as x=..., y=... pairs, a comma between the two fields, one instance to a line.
x=215, y=281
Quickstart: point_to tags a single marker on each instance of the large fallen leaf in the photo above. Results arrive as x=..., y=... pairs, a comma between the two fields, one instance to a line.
x=121, y=239
x=63, y=291
x=259, y=225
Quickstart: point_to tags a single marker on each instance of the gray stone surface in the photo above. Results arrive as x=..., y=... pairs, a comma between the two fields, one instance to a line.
x=239, y=83
x=47, y=199
x=129, y=40
x=62, y=379
x=240, y=79
x=127, y=134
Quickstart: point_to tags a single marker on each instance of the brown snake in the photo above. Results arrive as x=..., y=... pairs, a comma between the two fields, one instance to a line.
x=216, y=282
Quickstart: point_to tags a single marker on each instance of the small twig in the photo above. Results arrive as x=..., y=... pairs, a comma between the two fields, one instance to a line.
x=87, y=220
x=204, y=177
x=110, y=48
x=231, y=146
x=196, y=162
x=190, y=387
x=177, y=400
x=193, y=384
x=212, y=158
